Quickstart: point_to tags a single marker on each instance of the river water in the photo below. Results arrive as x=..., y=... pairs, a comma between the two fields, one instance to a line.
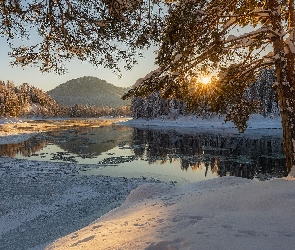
x=165, y=154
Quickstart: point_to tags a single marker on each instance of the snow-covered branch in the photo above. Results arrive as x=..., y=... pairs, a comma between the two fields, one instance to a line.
x=247, y=38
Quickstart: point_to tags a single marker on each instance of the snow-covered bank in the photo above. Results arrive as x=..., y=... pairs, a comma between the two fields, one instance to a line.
x=43, y=201
x=14, y=130
x=255, y=121
x=257, y=125
x=224, y=213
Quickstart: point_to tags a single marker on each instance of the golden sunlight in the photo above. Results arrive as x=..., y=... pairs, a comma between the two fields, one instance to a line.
x=205, y=80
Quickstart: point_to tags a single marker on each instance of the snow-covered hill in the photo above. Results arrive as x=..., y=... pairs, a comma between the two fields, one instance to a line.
x=88, y=90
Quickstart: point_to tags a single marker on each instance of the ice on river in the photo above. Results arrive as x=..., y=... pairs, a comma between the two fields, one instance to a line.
x=43, y=201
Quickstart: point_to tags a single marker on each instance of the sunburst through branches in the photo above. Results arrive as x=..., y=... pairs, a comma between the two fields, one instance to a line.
x=205, y=79
x=203, y=94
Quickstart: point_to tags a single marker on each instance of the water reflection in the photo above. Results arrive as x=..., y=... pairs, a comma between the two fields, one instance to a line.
x=158, y=152
x=222, y=154
x=69, y=145
x=27, y=148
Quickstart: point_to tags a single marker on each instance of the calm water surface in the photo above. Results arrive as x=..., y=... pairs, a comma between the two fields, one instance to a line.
x=167, y=155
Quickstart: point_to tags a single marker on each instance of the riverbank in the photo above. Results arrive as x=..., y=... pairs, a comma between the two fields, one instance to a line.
x=257, y=125
x=44, y=201
x=226, y=213
x=19, y=126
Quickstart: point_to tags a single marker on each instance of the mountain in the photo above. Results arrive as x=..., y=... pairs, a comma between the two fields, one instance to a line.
x=89, y=90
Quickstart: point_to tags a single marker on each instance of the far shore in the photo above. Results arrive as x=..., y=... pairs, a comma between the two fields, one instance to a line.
x=13, y=126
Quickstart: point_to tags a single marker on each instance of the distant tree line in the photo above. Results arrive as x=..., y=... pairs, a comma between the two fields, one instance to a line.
x=91, y=111
x=260, y=96
x=23, y=100
x=29, y=101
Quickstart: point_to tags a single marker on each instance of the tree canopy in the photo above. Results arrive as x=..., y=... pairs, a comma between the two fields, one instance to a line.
x=231, y=39
x=102, y=32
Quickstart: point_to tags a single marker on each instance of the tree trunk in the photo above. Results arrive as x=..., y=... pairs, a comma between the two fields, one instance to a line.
x=284, y=65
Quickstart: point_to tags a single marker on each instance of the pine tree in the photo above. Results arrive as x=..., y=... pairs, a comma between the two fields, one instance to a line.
x=9, y=106
x=204, y=36
x=260, y=93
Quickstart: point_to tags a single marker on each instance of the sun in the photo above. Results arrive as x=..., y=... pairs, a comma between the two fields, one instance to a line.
x=205, y=80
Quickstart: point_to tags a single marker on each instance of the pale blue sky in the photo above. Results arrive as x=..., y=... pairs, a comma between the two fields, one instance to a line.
x=76, y=69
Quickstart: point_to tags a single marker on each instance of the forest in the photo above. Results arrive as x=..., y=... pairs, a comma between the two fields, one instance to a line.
x=29, y=101
x=260, y=93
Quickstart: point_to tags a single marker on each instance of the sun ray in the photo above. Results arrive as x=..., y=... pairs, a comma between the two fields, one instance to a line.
x=205, y=80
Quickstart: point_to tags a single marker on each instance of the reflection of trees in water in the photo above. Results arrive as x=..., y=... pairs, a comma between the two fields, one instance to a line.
x=26, y=148
x=83, y=141
x=221, y=154
x=91, y=141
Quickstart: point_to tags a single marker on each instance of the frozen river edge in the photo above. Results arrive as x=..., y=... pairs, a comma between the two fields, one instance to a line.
x=43, y=201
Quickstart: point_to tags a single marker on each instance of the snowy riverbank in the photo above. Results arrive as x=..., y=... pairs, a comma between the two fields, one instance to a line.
x=14, y=130
x=226, y=213
x=43, y=201
x=257, y=125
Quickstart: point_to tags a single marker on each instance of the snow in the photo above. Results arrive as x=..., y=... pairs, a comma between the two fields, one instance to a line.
x=141, y=80
x=222, y=213
x=257, y=125
x=240, y=40
x=14, y=130
x=9, y=120
x=225, y=213
x=177, y=57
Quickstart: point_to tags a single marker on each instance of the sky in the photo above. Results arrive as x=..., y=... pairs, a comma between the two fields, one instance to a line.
x=76, y=69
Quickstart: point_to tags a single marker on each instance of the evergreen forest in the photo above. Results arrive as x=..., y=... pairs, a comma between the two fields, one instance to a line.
x=29, y=101
x=260, y=94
